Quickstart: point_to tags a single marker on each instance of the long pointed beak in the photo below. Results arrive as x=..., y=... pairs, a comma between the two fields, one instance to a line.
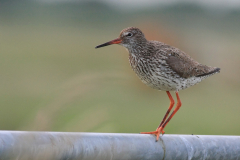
x=115, y=41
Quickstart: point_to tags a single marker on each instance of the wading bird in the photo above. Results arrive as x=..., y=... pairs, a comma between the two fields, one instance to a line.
x=161, y=67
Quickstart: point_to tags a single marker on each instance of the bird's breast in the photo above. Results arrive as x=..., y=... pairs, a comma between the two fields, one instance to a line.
x=153, y=72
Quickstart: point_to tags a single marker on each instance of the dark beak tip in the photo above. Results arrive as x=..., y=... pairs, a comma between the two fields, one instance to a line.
x=115, y=41
x=102, y=45
x=97, y=46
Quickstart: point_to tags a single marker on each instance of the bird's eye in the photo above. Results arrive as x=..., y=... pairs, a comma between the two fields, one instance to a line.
x=129, y=35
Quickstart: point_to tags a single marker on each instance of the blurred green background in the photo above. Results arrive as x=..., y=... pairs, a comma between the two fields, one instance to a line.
x=53, y=79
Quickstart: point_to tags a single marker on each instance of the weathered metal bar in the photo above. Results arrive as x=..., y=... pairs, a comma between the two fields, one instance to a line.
x=105, y=146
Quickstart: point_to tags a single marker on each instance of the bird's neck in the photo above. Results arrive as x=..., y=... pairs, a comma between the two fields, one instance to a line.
x=136, y=49
x=139, y=50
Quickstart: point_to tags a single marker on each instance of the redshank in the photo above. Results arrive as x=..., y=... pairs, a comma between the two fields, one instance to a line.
x=161, y=67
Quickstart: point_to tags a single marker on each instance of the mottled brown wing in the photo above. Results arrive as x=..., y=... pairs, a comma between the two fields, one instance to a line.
x=184, y=65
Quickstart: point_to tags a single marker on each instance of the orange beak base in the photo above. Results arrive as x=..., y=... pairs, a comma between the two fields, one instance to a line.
x=115, y=41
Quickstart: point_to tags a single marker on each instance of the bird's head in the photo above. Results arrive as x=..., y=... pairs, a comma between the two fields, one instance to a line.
x=128, y=38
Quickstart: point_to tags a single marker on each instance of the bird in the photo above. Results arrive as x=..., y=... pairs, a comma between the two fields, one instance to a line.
x=162, y=67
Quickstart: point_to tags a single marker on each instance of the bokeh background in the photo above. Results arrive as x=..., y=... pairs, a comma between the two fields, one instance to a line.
x=53, y=79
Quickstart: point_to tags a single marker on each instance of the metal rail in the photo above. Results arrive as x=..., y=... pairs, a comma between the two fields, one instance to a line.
x=105, y=146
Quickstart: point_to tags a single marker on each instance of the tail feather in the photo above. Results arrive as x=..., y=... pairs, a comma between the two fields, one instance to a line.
x=216, y=70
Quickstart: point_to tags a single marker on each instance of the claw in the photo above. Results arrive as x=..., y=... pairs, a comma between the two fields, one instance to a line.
x=157, y=132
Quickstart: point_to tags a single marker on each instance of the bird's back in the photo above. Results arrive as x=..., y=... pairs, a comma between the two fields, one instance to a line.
x=183, y=64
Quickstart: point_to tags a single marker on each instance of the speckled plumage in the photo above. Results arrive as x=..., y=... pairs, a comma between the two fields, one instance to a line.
x=161, y=66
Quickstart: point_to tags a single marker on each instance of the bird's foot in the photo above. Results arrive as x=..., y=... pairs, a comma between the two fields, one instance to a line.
x=157, y=132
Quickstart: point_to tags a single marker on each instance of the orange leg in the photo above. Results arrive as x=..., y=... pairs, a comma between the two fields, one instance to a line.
x=169, y=109
x=163, y=125
x=179, y=104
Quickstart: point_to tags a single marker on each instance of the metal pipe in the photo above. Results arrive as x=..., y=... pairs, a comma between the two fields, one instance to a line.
x=105, y=146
